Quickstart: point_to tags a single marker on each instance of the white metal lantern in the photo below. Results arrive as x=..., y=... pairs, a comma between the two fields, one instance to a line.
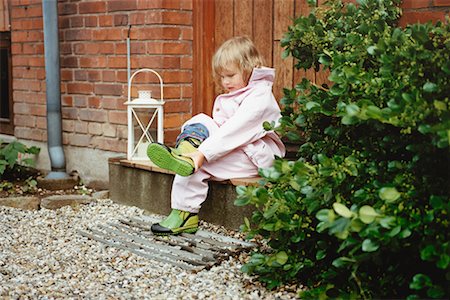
x=137, y=149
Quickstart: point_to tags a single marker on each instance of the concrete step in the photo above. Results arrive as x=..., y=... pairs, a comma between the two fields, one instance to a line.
x=142, y=184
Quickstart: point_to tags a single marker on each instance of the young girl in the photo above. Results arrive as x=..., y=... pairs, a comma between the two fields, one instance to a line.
x=231, y=144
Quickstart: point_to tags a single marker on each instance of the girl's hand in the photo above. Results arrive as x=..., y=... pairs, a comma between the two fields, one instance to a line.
x=197, y=157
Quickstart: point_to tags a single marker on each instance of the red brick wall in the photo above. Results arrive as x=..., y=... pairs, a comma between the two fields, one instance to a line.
x=93, y=63
x=93, y=66
x=423, y=11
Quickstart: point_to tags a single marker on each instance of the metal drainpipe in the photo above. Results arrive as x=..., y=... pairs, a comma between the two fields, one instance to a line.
x=52, y=74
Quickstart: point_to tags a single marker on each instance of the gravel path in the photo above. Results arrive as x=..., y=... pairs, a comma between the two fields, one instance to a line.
x=42, y=257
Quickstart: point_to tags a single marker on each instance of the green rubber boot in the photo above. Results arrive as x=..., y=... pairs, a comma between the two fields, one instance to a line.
x=170, y=159
x=178, y=221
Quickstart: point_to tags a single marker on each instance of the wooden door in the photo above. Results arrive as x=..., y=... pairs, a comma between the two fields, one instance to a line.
x=264, y=21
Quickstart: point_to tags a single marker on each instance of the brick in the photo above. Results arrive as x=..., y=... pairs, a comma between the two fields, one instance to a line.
x=64, y=48
x=80, y=101
x=187, y=34
x=122, y=131
x=177, y=106
x=27, y=85
x=80, y=75
x=170, y=135
x=108, y=76
x=78, y=35
x=172, y=91
x=41, y=122
x=176, y=48
x=177, y=17
x=441, y=3
x=24, y=120
x=93, y=102
x=186, y=62
x=93, y=115
x=149, y=4
x=76, y=21
x=121, y=76
x=185, y=4
x=16, y=49
x=108, y=34
x=117, y=117
x=38, y=110
x=412, y=17
x=92, y=7
x=67, y=8
x=68, y=62
x=67, y=100
x=68, y=125
x=64, y=22
x=117, y=62
x=94, y=75
x=105, y=21
x=93, y=62
x=108, y=89
x=154, y=33
x=177, y=76
x=156, y=62
x=109, y=130
x=113, y=103
x=120, y=20
x=186, y=91
x=137, y=19
x=93, y=48
x=153, y=17
x=81, y=140
x=95, y=128
x=115, y=5
x=79, y=88
x=91, y=21
x=66, y=75
x=175, y=120
x=29, y=134
x=27, y=24
x=81, y=127
x=110, y=144
x=69, y=113
x=416, y=4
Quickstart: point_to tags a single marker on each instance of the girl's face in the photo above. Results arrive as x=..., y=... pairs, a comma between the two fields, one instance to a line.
x=232, y=79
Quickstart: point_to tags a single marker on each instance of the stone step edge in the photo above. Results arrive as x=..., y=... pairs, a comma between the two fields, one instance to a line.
x=147, y=165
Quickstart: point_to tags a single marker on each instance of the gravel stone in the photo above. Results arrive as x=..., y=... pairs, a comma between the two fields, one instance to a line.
x=43, y=257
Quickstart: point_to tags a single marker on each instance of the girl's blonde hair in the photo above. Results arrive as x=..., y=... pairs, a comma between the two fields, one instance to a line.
x=239, y=51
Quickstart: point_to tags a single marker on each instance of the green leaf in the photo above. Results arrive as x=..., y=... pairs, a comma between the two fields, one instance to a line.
x=428, y=253
x=369, y=246
x=311, y=104
x=420, y=281
x=321, y=254
x=281, y=257
x=242, y=201
x=367, y=214
x=352, y=109
x=272, y=210
x=372, y=49
x=440, y=105
x=342, y=210
x=342, y=261
x=389, y=194
x=430, y=87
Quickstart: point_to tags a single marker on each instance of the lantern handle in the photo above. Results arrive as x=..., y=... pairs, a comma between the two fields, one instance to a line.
x=145, y=70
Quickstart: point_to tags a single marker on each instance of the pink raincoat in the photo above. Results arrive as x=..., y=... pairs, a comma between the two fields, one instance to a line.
x=238, y=144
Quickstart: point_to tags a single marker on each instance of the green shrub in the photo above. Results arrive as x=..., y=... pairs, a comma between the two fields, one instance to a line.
x=364, y=212
x=10, y=159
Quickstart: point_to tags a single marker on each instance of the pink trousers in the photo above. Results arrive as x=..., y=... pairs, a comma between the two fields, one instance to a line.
x=188, y=193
